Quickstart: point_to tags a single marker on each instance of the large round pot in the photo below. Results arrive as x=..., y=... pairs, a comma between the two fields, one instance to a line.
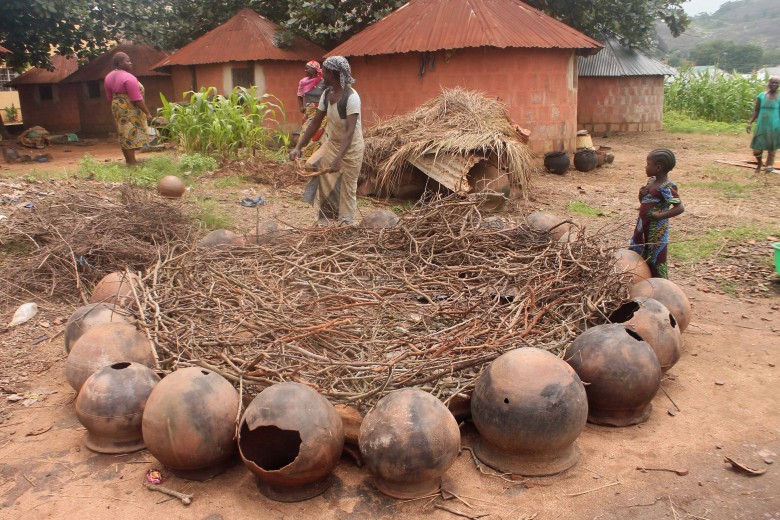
x=221, y=239
x=632, y=265
x=529, y=407
x=585, y=160
x=655, y=324
x=291, y=438
x=409, y=440
x=115, y=288
x=620, y=371
x=86, y=317
x=171, y=186
x=110, y=406
x=547, y=222
x=668, y=293
x=104, y=345
x=189, y=422
x=557, y=162
x=381, y=218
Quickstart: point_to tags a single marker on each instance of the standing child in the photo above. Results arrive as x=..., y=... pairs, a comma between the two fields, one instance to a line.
x=659, y=202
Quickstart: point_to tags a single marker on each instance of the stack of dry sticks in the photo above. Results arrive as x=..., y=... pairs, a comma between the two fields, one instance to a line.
x=358, y=313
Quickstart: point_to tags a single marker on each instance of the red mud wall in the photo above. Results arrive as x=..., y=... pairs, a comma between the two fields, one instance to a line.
x=281, y=80
x=60, y=114
x=627, y=104
x=538, y=86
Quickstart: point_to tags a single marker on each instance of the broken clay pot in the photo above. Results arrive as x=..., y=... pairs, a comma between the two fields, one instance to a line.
x=668, y=293
x=86, y=317
x=655, y=324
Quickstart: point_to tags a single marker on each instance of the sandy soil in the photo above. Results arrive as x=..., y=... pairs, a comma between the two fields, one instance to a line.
x=723, y=392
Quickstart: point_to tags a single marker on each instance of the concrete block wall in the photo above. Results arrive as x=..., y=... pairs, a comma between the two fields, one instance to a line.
x=620, y=104
x=538, y=86
x=60, y=114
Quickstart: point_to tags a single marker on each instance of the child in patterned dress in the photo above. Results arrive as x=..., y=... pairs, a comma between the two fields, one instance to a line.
x=659, y=201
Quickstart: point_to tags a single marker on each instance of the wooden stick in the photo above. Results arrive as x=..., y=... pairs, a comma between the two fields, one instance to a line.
x=185, y=499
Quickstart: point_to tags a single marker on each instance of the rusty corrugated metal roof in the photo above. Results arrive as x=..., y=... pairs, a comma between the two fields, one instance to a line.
x=63, y=67
x=615, y=60
x=245, y=37
x=4, y=50
x=143, y=57
x=431, y=25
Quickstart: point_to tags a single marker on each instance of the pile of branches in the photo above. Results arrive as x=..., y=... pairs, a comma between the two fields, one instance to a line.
x=261, y=170
x=458, y=122
x=357, y=313
x=61, y=247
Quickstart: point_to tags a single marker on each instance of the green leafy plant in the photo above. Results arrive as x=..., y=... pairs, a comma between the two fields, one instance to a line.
x=224, y=126
x=713, y=95
x=11, y=113
x=148, y=171
x=680, y=123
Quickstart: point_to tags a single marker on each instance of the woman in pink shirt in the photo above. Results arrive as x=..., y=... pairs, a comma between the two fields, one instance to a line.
x=127, y=106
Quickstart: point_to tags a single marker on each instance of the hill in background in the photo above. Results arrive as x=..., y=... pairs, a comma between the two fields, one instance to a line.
x=743, y=22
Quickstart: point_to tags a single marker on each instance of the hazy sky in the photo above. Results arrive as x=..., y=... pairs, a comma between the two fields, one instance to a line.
x=702, y=6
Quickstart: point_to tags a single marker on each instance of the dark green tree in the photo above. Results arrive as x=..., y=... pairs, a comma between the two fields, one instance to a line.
x=728, y=55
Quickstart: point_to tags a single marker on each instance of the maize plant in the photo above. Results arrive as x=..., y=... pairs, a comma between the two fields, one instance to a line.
x=222, y=126
x=713, y=96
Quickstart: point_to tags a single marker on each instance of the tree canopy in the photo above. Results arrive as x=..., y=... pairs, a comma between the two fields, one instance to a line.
x=30, y=28
x=728, y=55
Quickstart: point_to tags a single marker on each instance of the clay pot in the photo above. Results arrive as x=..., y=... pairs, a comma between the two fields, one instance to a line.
x=110, y=406
x=86, y=317
x=381, y=218
x=655, y=324
x=529, y=407
x=557, y=162
x=189, y=422
x=104, y=345
x=632, y=265
x=116, y=288
x=220, y=239
x=409, y=440
x=291, y=438
x=542, y=221
x=669, y=294
x=267, y=233
x=585, y=160
x=620, y=371
x=171, y=186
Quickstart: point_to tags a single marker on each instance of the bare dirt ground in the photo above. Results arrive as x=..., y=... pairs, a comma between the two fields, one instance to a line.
x=723, y=392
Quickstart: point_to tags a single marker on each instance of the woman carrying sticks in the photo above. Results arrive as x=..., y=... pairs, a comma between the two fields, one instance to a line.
x=341, y=155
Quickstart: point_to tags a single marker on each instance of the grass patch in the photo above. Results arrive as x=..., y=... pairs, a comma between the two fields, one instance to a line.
x=579, y=207
x=210, y=215
x=148, y=172
x=229, y=182
x=36, y=175
x=677, y=123
x=706, y=246
x=729, y=189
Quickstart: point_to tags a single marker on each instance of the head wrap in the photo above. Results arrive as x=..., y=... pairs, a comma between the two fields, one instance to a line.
x=316, y=66
x=341, y=65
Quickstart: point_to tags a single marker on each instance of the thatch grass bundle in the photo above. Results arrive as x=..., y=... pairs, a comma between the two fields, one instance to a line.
x=61, y=247
x=357, y=313
x=456, y=122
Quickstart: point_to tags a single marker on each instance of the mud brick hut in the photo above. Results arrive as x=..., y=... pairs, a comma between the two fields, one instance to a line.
x=242, y=52
x=45, y=100
x=94, y=107
x=621, y=90
x=503, y=48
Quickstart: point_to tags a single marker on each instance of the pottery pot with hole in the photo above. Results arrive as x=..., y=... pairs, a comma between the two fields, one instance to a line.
x=668, y=293
x=655, y=324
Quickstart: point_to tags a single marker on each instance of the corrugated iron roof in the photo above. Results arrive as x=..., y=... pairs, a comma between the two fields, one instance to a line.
x=431, y=25
x=617, y=60
x=4, y=50
x=245, y=37
x=143, y=57
x=63, y=67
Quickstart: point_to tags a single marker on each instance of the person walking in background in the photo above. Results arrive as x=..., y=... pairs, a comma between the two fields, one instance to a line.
x=341, y=155
x=767, y=133
x=659, y=201
x=310, y=89
x=131, y=115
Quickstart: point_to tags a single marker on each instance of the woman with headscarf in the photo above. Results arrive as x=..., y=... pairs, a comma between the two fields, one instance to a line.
x=341, y=155
x=310, y=90
x=766, y=113
x=126, y=95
